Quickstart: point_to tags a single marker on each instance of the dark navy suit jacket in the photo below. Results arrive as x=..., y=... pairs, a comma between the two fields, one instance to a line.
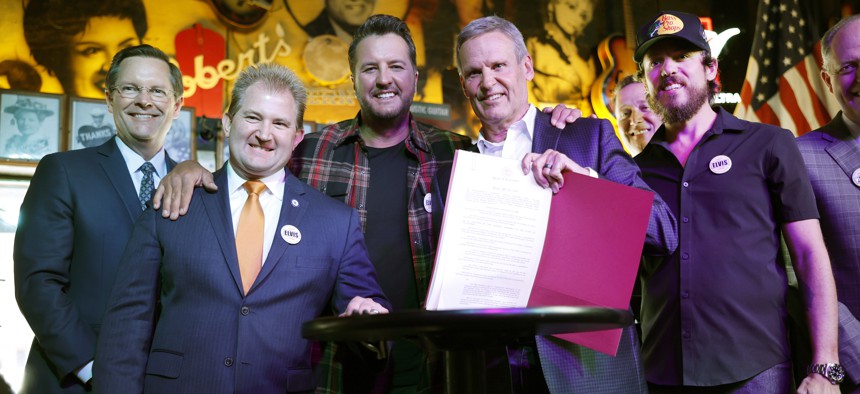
x=75, y=221
x=210, y=337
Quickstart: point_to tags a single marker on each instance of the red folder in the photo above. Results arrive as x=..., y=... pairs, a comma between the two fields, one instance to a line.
x=594, y=242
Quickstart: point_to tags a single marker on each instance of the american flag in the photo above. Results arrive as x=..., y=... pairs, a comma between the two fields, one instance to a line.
x=783, y=86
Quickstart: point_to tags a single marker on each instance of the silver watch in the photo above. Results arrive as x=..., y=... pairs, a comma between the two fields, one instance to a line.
x=833, y=372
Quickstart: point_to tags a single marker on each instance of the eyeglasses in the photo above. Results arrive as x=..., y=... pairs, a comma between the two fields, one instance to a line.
x=132, y=91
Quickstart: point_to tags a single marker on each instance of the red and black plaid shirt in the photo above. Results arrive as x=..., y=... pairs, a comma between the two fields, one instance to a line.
x=334, y=161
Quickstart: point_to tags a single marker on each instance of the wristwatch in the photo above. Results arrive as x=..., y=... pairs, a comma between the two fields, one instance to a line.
x=833, y=372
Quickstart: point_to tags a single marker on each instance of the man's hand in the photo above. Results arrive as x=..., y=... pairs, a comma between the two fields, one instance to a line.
x=548, y=167
x=363, y=306
x=177, y=186
x=561, y=115
x=816, y=384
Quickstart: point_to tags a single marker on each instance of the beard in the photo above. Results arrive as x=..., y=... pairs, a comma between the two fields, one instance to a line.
x=674, y=113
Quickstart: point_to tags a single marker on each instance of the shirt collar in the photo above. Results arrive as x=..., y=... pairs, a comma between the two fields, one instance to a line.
x=134, y=160
x=415, y=139
x=526, y=126
x=274, y=183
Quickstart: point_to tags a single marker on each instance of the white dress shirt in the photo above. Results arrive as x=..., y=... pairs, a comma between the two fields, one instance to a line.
x=271, y=200
x=133, y=161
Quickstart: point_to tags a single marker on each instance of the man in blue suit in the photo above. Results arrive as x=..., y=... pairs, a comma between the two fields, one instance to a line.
x=222, y=327
x=832, y=157
x=494, y=70
x=77, y=217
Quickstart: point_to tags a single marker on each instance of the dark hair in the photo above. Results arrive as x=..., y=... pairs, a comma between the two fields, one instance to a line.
x=378, y=25
x=827, y=41
x=21, y=76
x=144, y=50
x=275, y=78
x=49, y=26
x=708, y=60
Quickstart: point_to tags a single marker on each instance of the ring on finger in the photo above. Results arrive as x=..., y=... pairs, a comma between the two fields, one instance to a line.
x=547, y=165
x=373, y=312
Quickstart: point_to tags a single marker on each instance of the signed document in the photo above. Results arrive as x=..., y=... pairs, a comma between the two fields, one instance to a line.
x=508, y=243
x=492, y=235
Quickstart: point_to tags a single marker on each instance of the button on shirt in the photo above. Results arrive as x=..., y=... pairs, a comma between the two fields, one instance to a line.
x=271, y=199
x=714, y=311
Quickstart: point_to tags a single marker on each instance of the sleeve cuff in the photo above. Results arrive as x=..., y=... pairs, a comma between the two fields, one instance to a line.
x=86, y=372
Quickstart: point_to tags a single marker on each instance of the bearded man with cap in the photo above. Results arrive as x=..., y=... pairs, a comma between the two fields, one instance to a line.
x=714, y=314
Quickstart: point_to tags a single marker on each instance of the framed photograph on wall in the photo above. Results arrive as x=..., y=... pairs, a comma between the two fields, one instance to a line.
x=90, y=123
x=30, y=126
x=179, y=142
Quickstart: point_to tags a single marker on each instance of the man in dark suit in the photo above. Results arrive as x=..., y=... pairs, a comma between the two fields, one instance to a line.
x=77, y=217
x=832, y=157
x=225, y=326
x=494, y=71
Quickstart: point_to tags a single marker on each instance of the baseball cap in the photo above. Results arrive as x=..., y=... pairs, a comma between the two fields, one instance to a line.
x=670, y=24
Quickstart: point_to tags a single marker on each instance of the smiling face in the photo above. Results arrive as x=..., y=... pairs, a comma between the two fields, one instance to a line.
x=93, y=49
x=28, y=122
x=385, y=78
x=635, y=119
x=843, y=70
x=494, y=81
x=676, y=79
x=350, y=13
x=142, y=122
x=263, y=132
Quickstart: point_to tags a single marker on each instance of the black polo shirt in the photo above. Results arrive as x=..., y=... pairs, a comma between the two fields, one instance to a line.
x=714, y=311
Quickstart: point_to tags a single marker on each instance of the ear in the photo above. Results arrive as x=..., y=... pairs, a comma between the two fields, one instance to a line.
x=826, y=77
x=108, y=101
x=529, y=67
x=226, y=123
x=711, y=71
x=463, y=86
x=300, y=135
x=178, y=106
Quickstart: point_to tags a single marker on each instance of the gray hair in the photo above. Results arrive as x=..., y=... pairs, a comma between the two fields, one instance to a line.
x=490, y=24
x=275, y=78
x=827, y=41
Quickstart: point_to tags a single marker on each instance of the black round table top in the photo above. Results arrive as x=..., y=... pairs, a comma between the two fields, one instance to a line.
x=468, y=327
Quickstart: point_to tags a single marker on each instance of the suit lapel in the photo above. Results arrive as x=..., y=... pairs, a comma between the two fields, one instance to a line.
x=545, y=135
x=116, y=170
x=842, y=148
x=291, y=214
x=217, y=206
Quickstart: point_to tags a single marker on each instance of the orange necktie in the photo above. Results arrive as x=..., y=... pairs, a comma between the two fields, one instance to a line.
x=249, y=234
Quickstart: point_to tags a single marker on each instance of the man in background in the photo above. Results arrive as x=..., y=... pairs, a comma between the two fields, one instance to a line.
x=832, y=156
x=734, y=187
x=636, y=122
x=77, y=216
x=96, y=133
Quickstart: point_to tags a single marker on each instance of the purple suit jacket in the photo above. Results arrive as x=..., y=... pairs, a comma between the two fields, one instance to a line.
x=832, y=157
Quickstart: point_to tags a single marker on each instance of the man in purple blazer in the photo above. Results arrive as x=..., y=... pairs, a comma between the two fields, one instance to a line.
x=832, y=157
x=187, y=315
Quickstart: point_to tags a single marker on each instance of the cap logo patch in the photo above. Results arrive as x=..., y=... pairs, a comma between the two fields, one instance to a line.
x=665, y=24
